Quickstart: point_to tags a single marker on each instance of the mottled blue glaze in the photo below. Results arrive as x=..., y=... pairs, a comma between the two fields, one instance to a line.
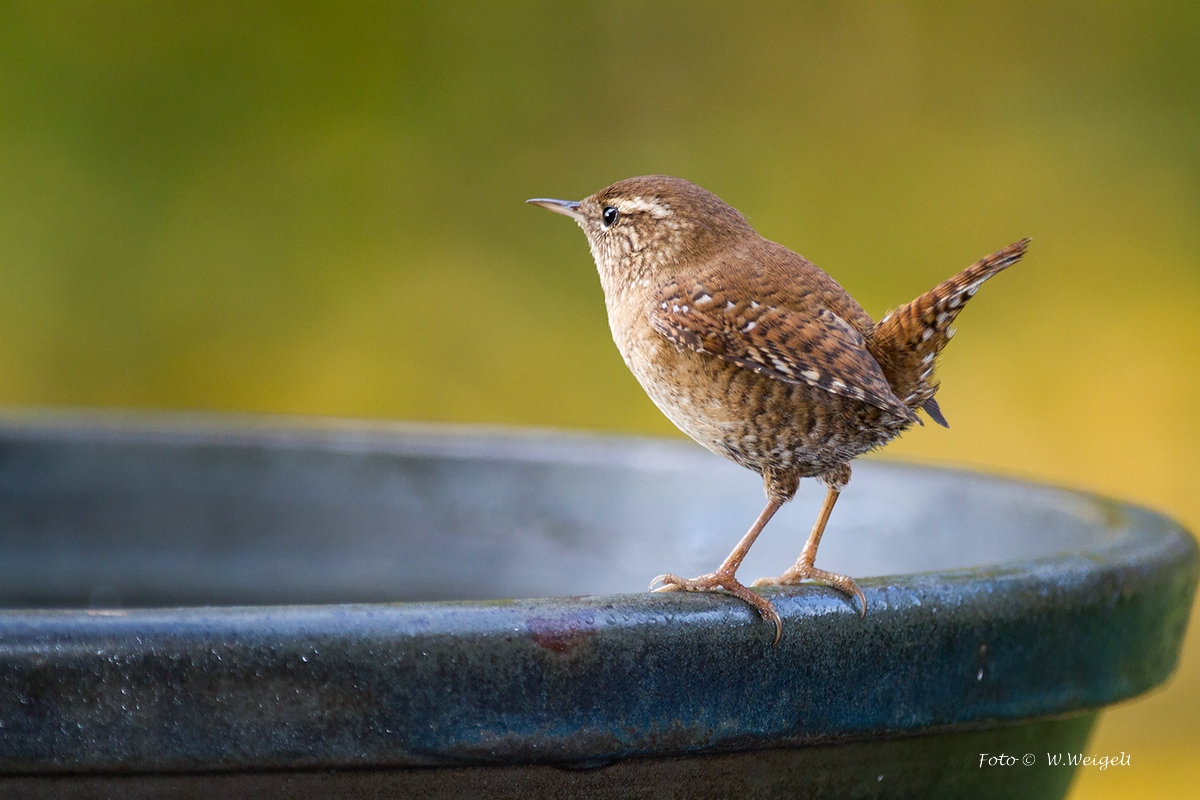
x=1095, y=618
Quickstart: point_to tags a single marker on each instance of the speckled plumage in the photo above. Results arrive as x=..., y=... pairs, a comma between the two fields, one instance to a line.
x=755, y=352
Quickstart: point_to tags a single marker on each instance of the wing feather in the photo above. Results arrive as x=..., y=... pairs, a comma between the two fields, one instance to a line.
x=815, y=349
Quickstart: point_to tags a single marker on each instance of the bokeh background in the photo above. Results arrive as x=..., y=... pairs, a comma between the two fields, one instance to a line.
x=318, y=209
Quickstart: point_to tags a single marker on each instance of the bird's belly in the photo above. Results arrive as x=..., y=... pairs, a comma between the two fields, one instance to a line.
x=757, y=421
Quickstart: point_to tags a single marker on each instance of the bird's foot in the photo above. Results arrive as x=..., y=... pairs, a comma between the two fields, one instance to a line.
x=800, y=572
x=721, y=580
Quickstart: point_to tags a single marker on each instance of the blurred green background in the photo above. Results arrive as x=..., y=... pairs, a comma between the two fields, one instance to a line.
x=318, y=209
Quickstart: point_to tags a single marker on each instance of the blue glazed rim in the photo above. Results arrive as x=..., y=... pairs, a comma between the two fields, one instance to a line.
x=574, y=680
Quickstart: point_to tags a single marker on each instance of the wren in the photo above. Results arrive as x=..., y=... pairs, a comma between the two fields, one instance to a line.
x=759, y=355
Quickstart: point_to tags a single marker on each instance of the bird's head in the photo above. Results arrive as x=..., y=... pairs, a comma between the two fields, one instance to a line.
x=639, y=226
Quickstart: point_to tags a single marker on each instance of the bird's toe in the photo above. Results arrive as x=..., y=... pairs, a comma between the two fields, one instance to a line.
x=804, y=572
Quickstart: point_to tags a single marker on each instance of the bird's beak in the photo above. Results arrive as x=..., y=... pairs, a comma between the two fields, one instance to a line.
x=568, y=208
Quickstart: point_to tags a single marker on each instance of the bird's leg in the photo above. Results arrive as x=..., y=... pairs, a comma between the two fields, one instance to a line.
x=724, y=578
x=803, y=569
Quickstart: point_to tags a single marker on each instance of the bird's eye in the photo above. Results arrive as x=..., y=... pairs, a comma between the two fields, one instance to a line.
x=609, y=216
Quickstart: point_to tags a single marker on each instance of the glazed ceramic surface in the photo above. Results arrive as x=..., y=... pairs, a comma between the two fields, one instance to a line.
x=228, y=599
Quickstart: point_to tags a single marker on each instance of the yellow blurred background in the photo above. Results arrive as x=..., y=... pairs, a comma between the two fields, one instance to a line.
x=318, y=209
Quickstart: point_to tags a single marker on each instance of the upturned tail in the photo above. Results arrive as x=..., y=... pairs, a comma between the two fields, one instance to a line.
x=907, y=341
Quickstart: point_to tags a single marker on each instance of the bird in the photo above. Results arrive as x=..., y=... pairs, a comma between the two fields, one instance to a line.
x=759, y=355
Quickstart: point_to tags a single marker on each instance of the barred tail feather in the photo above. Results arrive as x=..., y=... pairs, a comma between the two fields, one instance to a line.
x=907, y=342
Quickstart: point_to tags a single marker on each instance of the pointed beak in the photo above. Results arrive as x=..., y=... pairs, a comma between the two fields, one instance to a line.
x=568, y=208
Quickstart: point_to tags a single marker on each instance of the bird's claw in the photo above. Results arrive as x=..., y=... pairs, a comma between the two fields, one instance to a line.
x=806, y=572
x=668, y=583
x=718, y=580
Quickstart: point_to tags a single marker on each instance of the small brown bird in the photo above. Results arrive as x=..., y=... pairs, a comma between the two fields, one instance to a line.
x=757, y=354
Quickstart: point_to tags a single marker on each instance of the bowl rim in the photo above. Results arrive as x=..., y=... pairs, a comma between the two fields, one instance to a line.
x=571, y=680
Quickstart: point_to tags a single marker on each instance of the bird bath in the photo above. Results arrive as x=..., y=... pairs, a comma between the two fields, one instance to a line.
x=249, y=608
